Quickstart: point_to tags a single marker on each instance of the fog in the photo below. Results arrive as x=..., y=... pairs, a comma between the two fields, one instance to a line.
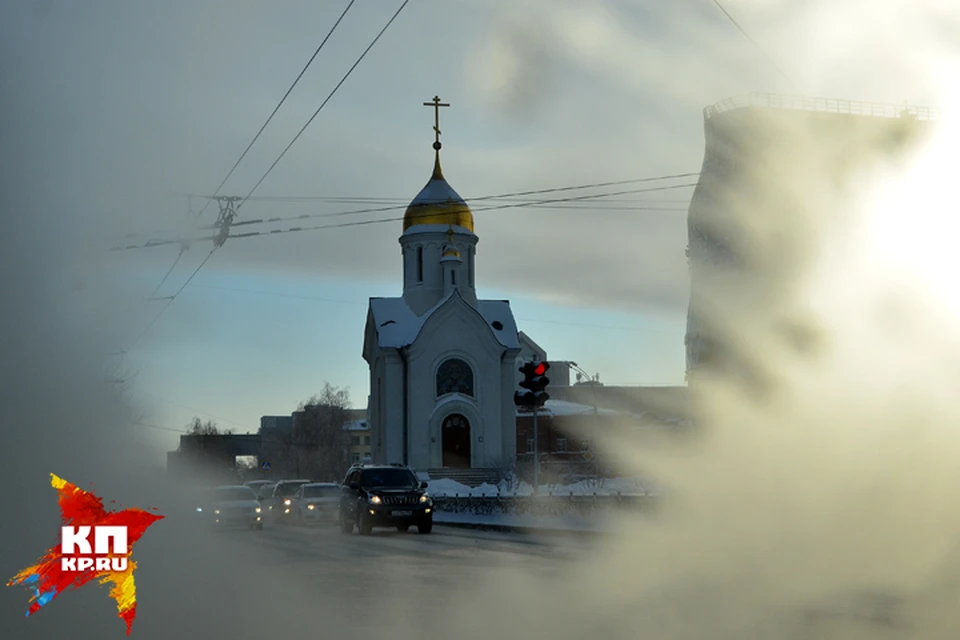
x=817, y=498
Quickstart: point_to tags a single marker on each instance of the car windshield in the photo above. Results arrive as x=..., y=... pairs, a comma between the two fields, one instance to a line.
x=287, y=489
x=321, y=492
x=388, y=478
x=233, y=494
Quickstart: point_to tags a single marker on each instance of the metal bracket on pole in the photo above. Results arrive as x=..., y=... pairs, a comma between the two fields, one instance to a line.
x=228, y=212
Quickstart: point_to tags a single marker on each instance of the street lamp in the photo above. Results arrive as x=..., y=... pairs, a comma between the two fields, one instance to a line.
x=581, y=372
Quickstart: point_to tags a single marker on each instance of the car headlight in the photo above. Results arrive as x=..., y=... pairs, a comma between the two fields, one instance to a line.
x=216, y=511
x=375, y=500
x=258, y=509
x=286, y=503
x=199, y=509
x=311, y=507
x=424, y=498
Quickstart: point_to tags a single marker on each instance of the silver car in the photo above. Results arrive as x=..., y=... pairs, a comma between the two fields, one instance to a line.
x=234, y=506
x=316, y=502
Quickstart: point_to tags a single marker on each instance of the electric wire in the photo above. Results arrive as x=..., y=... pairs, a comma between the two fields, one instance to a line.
x=324, y=103
x=172, y=298
x=381, y=209
x=511, y=205
x=756, y=44
x=277, y=108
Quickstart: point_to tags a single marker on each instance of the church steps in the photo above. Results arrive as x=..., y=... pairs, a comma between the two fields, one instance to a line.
x=468, y=477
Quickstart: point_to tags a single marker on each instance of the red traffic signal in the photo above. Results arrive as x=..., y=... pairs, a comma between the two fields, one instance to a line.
x=535, y=382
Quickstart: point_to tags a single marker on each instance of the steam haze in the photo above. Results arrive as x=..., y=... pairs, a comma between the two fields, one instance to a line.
x=830, y=489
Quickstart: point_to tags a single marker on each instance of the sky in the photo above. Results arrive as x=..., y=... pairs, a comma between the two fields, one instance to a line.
x=134, y=106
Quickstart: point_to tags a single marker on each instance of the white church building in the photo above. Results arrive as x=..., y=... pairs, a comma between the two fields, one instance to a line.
x=443, y=364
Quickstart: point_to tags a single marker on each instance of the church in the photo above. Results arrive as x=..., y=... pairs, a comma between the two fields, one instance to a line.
x=443, y=363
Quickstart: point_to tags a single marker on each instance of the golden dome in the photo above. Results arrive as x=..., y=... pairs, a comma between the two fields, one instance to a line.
x=437, y=203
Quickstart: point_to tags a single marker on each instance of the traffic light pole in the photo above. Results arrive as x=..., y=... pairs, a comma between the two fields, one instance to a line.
x=536, y=453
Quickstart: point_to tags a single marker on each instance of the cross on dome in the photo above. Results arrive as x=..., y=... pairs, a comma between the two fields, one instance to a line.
x=436, y=104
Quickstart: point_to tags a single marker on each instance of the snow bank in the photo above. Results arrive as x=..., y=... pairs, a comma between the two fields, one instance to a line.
x=443, y=487
x=570, y=523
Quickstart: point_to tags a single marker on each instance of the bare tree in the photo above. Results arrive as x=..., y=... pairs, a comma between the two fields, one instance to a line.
x=319, y=441
x=508, y=478
x=198, y=427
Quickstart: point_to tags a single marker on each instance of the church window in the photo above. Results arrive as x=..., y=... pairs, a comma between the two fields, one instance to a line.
x=419, y=264
x=454, y=376
x=453, y=278
x=470, y=266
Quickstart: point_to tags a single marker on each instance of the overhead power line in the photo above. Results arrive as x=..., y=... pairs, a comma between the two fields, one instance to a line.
x=757, y=45
x=398, y=207
x=161, y=428
x=359, y=223
x=220, y=237
x=170, y=300
x=324, y=103
x=277, y=108
x=243, y=155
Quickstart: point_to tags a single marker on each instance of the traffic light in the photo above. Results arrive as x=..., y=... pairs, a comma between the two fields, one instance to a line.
x=535, y=382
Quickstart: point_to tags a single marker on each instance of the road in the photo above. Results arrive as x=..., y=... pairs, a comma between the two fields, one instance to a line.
x=297, y=582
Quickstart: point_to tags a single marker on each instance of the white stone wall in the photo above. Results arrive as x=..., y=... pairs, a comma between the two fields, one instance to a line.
x=456, y=331
x=422, y=296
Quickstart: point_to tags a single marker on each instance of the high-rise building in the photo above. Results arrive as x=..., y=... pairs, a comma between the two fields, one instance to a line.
x=774, y=173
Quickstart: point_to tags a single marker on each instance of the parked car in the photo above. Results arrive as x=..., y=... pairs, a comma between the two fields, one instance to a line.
x=316, y=502
x=384, y=496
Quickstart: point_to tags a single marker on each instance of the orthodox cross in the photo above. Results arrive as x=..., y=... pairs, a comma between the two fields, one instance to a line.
x=436, y=104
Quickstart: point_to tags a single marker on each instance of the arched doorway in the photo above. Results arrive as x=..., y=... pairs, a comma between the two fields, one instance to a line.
x=455, y=440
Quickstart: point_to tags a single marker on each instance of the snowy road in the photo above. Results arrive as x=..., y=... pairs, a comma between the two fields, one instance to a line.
x=297, y=582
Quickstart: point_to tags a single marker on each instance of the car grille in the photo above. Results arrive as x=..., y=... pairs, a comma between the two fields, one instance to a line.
x=397, y=501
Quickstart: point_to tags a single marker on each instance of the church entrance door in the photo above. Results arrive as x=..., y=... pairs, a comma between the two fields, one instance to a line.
x=455, y=440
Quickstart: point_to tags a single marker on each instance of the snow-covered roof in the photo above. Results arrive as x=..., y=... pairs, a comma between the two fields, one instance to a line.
x=398, y=326
x=357, y=425
x=438, y=228
x=564, y=408
x=437, y=191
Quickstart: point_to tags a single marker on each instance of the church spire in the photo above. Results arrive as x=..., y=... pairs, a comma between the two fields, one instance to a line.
x=437, y=203
x=436, y=104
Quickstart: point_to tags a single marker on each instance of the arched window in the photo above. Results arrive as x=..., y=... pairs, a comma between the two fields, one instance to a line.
x=419, y=264
x=454, y=376
x=470, y=266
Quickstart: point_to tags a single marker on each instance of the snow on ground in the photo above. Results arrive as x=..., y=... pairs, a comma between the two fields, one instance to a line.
x=569, y=523
x=443, y=487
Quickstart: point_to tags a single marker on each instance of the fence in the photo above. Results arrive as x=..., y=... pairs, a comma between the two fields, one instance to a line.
x=544, y=505
x=826, y=105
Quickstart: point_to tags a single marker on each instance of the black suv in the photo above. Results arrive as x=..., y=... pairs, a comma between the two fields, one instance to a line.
x=384, y=496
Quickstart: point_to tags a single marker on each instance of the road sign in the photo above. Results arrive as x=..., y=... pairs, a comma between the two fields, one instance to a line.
x=264, y=466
